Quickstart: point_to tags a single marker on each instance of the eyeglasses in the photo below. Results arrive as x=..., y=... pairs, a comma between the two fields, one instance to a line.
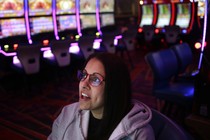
x=95, y=79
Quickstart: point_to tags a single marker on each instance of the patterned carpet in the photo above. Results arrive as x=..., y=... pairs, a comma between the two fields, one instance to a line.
x=28, y=113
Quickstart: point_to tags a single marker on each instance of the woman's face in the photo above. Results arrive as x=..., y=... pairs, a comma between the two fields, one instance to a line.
x=92, y=97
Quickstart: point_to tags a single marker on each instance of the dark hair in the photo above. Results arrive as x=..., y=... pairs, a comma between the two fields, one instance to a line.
x=117, y=92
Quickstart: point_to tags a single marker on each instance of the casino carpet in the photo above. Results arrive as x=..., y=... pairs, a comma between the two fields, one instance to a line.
x=29, y=116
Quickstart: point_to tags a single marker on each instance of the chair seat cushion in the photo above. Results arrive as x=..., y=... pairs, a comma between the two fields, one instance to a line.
x=176, y=92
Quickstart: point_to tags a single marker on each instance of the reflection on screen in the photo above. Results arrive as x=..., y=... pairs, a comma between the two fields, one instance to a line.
x=40, y=7
x=11, y=8
x=12, y=27
x=88, y=21
x=164, y=15
x=107, y=19
x=183, y=15
x=65, y=6
x=87, y=6
x=41, y=25
x=106, y=5
x=147, y=15
x=66, y=22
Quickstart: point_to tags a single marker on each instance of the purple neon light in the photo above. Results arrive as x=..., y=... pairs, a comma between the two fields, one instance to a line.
x=8, y=54
x=54, y=20
x=78, y=18
x=98, y=17
x=204, y=35
x=27, y=22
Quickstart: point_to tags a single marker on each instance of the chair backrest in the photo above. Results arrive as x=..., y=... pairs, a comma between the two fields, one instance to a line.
x=129, y=37
x=108, y=42
x=184, y=55
x=172, y=34
x=60, y=50
x=29, y=56
x=166, y=129
x=86, y=45
x=149, y=31
x=164, y=66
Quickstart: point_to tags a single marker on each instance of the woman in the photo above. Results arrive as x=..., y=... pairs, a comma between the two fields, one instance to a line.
x=105, y=110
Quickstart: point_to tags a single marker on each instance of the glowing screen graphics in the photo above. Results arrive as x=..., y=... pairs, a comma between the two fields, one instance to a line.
x=41, y=25
x=106, y=5
x=164, y=15
x=201, y=8
x=11, y=8
x=66, y=22
x=12, y=27
x=147, y=15
x=183, y=15
x=65, y=6
x=87, y=6
x=40, y=7
x=88, y=21
x=107, y=19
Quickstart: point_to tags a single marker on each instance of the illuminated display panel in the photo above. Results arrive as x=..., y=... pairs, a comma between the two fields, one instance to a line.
x=87, y=6
x=201, y=8
x=65, y=7
x=11, y=8
x=40, y=7
x=164, y=15
x=41, y=25
x=147, y=15
x=88, y=21
x=106, y=5
x=12, y=27
x=107, y=19
x=66, y=22
x=183, y=15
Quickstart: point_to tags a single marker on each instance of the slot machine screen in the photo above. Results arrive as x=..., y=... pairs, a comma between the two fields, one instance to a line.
x=41, y=25
x=87, y=6
x=66, y=22
x=88, y=21
x=40, y=7
x=107, y=20
x=183, y=15
x=11, y=8
x=164, y=15
x=12, y=27
x=65, y=7
x=147, y=15
x=106, y=5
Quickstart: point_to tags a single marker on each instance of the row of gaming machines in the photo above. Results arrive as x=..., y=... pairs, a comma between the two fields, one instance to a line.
x=161, y=13
x=33, y=21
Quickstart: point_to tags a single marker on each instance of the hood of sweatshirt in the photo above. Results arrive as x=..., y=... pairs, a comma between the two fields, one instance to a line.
x=139, y=116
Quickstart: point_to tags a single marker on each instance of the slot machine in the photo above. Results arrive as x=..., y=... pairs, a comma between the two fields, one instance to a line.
x=42, y=27
x=89, y=17
x=184, y=15
x=66, y=19
x=147, y=13
x=164, y=16
x=13, y=26
x=107, y=17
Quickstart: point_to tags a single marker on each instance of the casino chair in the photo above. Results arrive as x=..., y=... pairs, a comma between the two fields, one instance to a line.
x=27, y=63
x=166, y=129
x=59, y=58
x=149, y=33
x=129, y=37
x=184, y=55
x=172, y=35
x=108, y=42
x=86, y=45
x=169, y=94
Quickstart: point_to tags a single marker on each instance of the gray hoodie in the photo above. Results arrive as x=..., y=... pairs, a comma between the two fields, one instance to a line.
x=72, y=124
